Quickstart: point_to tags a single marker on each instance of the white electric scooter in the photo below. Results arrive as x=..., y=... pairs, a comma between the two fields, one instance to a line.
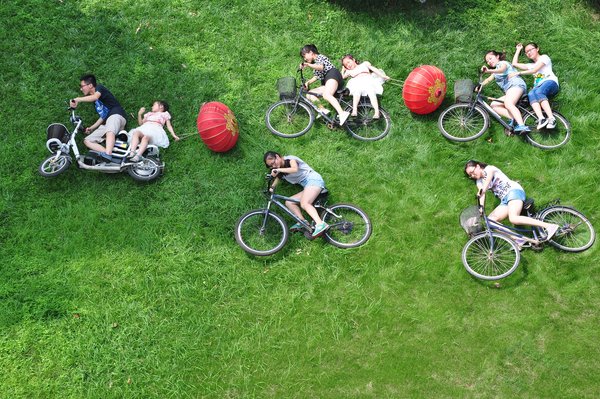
x=61, y=142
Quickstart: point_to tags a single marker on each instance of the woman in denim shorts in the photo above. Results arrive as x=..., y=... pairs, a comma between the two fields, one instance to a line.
x=510, y=192
x=545, y=83
x=294, y=170
x=513, y=87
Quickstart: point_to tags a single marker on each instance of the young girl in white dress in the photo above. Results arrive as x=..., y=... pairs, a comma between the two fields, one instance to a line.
x=151, y=129
x=366, y=80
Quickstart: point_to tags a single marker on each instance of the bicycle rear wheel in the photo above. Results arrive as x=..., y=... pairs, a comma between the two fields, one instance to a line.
x=364, y=127
x=491, y=256
x=350, y=226
x=545, y=138
x=576, y=233
x=463, y=122
x=288, y=118
x=261, y=233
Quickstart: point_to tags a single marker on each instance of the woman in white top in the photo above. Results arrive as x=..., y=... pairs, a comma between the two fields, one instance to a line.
x=151, y=130
x=363, y=82
x=545, y=83
x=510, y=192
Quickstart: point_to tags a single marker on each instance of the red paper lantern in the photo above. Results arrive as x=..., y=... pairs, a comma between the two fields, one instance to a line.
x=424, y=89
x=217, y=126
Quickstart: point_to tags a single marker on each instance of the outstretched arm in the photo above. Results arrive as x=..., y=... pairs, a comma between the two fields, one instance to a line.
x=170, y=128
x=95, y=126
x=515, y=60
x=86, y=99
x=377, y=71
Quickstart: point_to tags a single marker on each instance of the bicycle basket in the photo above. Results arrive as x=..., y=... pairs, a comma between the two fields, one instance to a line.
x=58, y=131
x=471, y=220
x=286, y=87
x=463, y=90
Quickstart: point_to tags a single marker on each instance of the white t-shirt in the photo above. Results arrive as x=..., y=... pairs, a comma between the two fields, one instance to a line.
x=500, y=184
x=545, y=72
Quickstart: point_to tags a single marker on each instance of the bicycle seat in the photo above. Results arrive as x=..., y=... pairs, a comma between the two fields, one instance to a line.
x=528, y=204
x=322, y=196
x=524, y=100
x=342, y=90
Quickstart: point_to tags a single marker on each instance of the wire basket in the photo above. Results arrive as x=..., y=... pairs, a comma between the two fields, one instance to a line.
x=286, y=87
x=471, y=220
x=463, y=90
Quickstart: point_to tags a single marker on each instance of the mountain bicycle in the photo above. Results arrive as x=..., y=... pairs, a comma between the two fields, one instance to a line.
x=493, y=250
x=295, y=114
x=262, y=232
x=468, y=121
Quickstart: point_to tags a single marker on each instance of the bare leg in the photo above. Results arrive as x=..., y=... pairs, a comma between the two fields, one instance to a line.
x=292, y=206
x=143, y=145
x=499, y=108
x=94, y=146
x=309, y=195
x=328, y=94
x=135, y=140
x=374, y=103
x=110, y=142
x=306, y=197
x=510, y=100
x=546, y=107
x=355, y=100
x=538, y=110
x=515, y=217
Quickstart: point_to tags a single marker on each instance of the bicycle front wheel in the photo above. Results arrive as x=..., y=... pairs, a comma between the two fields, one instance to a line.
x=491, y=256
x=364, y=127
x=576, y=233
x=350, y=226
x=261, y=232
x=548, y=139
x=54, y=165
x=288, y=118
x=463, y=122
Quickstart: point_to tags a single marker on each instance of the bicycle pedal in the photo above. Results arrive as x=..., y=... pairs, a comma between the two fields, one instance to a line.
x=308, y=235
x=537, y=247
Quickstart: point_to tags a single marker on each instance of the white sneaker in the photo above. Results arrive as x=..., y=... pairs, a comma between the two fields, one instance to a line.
x=551, y=123
x=344, y=117
x=542, y=123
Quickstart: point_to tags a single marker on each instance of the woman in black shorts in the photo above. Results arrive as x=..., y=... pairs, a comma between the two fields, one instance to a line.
x=330, y=77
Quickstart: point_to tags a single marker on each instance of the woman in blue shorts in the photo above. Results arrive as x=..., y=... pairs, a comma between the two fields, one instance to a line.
x=511, y=194
x=512, y=86
x=294, y=170
x=545, y=83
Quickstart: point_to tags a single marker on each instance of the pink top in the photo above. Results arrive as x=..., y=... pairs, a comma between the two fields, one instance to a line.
x=157, y=117
x=360, y=68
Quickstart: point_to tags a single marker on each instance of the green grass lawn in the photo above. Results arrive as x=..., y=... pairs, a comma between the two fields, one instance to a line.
x=111, y=289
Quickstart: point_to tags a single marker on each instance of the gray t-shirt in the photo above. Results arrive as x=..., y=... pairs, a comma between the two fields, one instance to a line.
x=304, y=171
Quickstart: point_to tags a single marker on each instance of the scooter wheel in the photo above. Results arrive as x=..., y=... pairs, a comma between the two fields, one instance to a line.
x=148, y=169
x=54, y=166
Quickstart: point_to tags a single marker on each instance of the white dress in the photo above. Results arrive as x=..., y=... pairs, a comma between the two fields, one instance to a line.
x=363, y=82
x=153, y=128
